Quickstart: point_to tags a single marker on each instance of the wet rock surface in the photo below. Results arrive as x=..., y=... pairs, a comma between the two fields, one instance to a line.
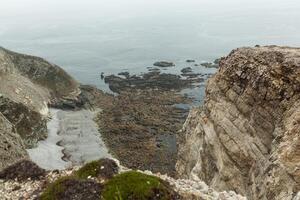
x=142, y=119
x=150, y=80
x=246, y=136
x=164, y=64
x=134, y=123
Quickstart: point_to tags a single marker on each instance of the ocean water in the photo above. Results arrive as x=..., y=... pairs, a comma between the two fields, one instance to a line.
x=87, y=37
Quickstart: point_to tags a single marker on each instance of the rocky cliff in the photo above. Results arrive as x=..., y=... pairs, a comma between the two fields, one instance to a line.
x=28, y=85
x=246, y=136
x=12, y=148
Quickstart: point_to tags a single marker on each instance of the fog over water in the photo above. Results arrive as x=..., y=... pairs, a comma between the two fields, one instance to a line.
x=87, y=37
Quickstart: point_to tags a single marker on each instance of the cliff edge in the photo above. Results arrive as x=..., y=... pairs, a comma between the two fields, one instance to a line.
x=246, y=136
x=28, y=85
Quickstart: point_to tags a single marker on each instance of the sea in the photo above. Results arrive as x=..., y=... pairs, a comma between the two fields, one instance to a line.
x=88, y=37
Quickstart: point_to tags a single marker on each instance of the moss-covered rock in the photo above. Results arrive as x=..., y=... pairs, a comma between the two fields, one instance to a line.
x=22, y=171
x=101, y=169
x=137, y=186
x=67, y=188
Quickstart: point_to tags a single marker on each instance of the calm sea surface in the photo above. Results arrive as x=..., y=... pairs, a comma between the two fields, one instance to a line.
x=93, y=36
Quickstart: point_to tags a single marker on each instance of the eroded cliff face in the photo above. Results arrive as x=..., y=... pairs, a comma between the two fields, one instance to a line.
x=28, y=85
x=246, y=137
x=34, y=81
x=12, y=148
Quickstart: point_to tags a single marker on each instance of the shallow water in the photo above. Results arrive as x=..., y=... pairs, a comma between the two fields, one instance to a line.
x=81, y=139
x=48, y=154
x=78, y=138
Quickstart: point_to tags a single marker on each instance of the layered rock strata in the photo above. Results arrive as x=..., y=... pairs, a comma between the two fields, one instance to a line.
x=246, y=137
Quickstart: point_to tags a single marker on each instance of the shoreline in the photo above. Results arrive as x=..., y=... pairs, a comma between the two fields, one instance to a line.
x=48, y=154
x=69, y=144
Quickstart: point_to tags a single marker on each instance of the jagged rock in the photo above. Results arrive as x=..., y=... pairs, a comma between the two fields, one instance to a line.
x=27, y=85
x=153, y=79
x=11, y=145
x=186, y=70
x=246, y=137
x=29, y=124
x=209, y=65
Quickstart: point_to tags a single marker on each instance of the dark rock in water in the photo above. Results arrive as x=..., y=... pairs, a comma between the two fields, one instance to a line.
x=217, y=61
x=210, y=65
x=102, y=75
x=192, y=75
x=153, y=69
x=164, y=64
x=189, y=61
x=22, y=171
x=196, y=65
x=126, y=74
x=69, y=103
x=148, y=80
x=186, y=70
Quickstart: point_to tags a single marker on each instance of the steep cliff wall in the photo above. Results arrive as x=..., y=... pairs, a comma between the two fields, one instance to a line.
x=27, y=85
x=246, y=137
x=12, y=148
x=40, y=72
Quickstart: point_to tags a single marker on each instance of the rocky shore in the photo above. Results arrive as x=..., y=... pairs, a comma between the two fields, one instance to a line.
x=244, y=139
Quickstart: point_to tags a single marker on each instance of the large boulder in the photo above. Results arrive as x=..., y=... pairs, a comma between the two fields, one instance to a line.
x=246, y=137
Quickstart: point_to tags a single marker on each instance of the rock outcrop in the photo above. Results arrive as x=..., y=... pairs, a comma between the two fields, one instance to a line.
x=28, y=85
x=29, y=124
x=246, y=136
x=12, y=148
x=34, y=81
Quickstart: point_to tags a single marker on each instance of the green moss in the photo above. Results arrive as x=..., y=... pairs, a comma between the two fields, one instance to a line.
x=89, y=169
x=103, y=168
x=134, y=185
x=54, y=189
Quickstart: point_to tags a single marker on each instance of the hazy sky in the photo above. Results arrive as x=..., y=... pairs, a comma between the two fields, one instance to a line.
x=63, y=7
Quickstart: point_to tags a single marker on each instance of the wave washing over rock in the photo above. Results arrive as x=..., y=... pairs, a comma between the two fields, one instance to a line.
x=246, y=137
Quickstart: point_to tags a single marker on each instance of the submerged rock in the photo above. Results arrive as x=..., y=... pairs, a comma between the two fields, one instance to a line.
x=246, y=137
x=209, y=65
x=164, y=64
x=148, y=80
x=126, y=74
x=187, y=70
x=190, y=61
